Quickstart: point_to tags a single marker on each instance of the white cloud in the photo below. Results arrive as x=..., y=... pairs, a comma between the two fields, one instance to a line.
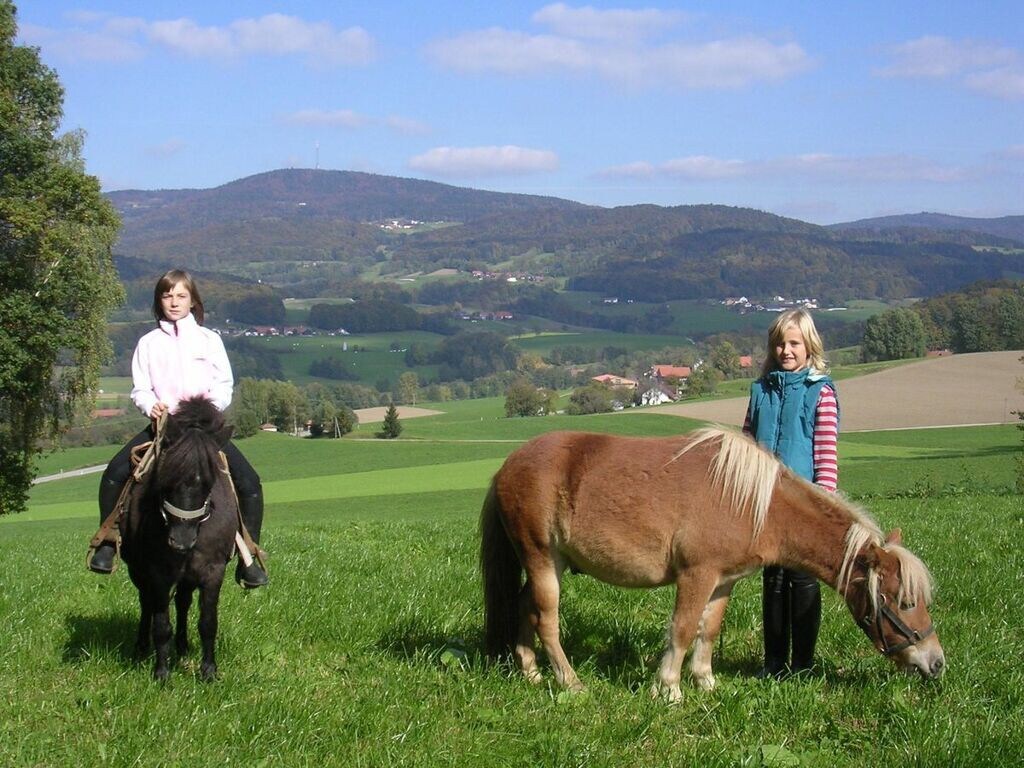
x=703, y=167
x=509, y=52
x=82, y=45
x=278, y=35
x=1006, y=83
x=484, y=161
x=187, y=37
x=406, y=126
x=985, y=67
x=727, y=63
x=611, y=24
x=337, y=118
x=933, y=56
x=893, y=168
x=97, y=37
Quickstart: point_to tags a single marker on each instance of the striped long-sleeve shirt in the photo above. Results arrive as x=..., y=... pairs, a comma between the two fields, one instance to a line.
x=826, y=438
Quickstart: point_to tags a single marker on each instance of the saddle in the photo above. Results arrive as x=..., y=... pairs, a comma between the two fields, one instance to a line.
x=142, y=458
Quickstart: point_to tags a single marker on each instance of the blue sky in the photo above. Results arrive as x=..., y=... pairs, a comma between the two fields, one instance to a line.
x=826, y=112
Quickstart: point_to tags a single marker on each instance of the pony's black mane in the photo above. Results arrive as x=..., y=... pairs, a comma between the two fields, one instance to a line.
x=191, y=430
x=198, y=413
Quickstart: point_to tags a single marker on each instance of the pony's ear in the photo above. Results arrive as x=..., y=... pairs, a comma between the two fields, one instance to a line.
x=223, y=434
x=895, y=537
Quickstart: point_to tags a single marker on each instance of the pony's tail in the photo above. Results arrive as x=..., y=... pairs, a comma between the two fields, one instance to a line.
x=502, y=574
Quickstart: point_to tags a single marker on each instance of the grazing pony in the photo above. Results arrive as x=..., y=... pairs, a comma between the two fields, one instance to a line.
x=699, y=511
x=178, y=533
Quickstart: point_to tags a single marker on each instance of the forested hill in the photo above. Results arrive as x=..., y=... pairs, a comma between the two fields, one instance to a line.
x=275, y=225
x=307, y=194
x=1009, y=227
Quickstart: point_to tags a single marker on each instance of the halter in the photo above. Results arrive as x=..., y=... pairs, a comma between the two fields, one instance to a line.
x=913, y=637
x=186, y=514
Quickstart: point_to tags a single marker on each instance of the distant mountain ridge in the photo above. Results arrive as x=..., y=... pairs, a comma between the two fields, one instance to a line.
x=1011, y=227
x=277, y=226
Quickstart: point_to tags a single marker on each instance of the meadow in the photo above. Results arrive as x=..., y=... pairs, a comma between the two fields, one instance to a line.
x=365, y=649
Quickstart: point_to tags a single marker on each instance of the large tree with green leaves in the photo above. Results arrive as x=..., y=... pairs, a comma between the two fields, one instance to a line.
x=57, y=279
x=895, y=334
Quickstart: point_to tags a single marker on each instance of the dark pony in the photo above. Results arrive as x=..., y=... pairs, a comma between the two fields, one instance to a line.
x=699, y=512
x=179, y=532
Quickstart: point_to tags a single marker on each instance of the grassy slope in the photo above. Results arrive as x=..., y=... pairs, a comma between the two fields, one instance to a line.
x=367, y=643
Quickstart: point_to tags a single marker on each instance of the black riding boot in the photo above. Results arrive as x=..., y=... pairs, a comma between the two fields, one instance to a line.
x=251, y=507
x=102, y=560
x=775, y=612
x=805, y=600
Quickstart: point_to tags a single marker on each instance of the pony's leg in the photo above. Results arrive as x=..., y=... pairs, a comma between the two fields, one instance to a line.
x=144, y=635
x=182, y=602
x=707, y=632
x=693, y=592
x=162, y=634
x=524, y=650
x=546, y=585
x=209, y=596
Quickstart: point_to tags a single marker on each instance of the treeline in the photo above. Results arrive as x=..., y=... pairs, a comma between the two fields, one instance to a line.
x=987, y=317
x=376, y=316
x=323, y=409
x=225, y=297
x=722, y=263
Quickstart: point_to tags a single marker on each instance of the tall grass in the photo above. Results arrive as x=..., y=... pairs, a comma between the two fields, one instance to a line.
x=365, y=649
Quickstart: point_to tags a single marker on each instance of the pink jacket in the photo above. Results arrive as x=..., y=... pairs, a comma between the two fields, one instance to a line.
x=177, y=361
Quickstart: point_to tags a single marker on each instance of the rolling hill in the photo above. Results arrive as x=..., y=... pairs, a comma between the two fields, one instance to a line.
x=1008, y=227
x=274, y=225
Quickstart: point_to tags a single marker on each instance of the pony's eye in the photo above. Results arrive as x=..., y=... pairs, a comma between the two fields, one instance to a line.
x=908, y=606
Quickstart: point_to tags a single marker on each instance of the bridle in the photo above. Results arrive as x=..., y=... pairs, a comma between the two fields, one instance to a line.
x=911, y=636
x=200, y=515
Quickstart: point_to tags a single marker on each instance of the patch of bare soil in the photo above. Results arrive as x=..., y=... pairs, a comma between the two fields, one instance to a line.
x=371, y=415
x=977, y=388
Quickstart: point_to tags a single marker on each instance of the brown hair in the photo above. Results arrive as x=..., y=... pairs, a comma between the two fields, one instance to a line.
x=802, y=319
x=170, y=279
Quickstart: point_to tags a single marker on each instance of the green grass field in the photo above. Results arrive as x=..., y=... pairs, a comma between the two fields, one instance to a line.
x=365, y=649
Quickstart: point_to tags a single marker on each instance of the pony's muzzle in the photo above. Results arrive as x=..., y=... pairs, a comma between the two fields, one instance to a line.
x=182, y=539
x=928, y=660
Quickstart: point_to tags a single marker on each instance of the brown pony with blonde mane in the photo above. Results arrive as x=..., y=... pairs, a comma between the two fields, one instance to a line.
x=699, y=511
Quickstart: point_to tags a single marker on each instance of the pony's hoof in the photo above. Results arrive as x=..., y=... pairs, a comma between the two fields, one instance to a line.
x=161, y=674
x=208, y=672
x=670, y=694
x=706, y=682
x=533, y=676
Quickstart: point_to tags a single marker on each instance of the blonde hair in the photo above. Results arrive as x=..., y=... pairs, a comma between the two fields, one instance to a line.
x=803, y=321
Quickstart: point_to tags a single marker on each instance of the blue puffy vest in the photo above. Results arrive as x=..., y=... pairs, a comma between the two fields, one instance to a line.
x=782, y=409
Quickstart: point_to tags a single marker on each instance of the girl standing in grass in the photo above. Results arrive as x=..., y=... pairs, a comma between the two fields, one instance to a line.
x=176, y=360
x=794, y=413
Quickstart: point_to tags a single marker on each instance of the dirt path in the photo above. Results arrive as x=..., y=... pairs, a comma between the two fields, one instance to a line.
x=977, y=388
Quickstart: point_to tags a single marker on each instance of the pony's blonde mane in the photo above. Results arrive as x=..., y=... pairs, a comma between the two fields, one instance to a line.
x=915, y=580
x=748, y=473
x=741, y=466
